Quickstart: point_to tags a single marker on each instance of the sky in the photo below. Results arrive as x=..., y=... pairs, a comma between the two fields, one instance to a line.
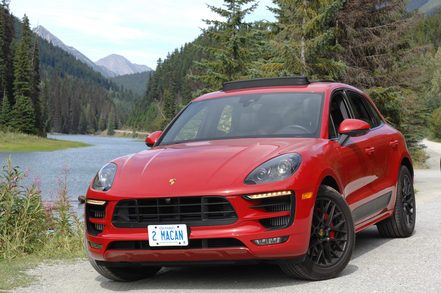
x=140, y=30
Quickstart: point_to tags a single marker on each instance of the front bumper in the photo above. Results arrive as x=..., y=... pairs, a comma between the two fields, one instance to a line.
x=217, y=244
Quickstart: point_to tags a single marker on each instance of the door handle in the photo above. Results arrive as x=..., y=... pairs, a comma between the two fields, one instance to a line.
x=393, y=143
x=370, y=150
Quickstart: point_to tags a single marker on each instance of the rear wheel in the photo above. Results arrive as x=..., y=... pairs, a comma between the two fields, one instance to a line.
x=332, y=239
x=402, y=222
x=121, y=274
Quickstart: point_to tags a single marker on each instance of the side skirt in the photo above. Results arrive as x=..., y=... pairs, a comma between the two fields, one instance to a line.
x=372, y=207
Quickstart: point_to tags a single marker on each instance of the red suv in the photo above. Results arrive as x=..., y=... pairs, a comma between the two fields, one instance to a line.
x=279, y=170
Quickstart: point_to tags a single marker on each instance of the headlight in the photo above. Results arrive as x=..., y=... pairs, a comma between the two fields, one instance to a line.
x=275, y=169
x=104, y=178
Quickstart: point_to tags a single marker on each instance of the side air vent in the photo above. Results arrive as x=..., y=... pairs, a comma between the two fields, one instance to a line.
x=93, y=213
x=279, y=204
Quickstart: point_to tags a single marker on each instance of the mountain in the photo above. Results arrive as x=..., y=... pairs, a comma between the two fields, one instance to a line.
x=120, y=65
x=110, y=66
x=45, y=34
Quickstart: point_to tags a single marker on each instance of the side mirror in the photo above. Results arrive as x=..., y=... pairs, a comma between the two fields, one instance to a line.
x=350, y=128
x=152, y=138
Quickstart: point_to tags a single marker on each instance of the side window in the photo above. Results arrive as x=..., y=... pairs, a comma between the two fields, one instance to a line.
x=337, y=113
x=375, y=116
x=361, y=110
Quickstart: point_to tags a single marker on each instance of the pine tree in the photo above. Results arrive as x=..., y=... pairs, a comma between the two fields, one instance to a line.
x=305, y=34
x=2, y=57
x=167, y=106
x=375, y=49
x=23, y=118
x=23, y=113
x=35, y=89
x=433, y=95
x=26, y=34
x=7, y=47
x=235, y=45
x=45, y=119
x=5, y=114
x=111, y=123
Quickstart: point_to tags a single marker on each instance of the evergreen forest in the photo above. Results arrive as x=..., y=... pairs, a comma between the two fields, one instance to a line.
x=378, y=46
x=45, y=89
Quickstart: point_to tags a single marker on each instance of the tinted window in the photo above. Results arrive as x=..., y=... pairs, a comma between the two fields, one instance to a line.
x=362, y=111
x=337, y=113
x=257, y=115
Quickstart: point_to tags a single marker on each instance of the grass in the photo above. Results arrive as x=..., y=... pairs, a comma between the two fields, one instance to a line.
x=20, y=142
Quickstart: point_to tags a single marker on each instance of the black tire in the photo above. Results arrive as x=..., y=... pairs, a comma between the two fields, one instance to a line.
x=402, y=222
x=332, y=239
x=121, y=274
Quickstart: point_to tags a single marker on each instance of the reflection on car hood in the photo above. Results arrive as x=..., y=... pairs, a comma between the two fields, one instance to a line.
x=197, y=168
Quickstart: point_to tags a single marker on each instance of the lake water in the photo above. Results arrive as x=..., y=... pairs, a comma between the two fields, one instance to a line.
x=83, y=162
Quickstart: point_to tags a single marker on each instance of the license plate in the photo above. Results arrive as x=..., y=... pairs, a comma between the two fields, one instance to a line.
x=168, y=235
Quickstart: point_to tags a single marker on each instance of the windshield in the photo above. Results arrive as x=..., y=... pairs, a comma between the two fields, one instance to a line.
x=249, y=116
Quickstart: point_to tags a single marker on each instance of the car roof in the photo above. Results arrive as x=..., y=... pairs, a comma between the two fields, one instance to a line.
x=274, y=85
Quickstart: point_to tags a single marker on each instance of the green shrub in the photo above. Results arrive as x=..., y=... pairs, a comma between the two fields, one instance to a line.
x=30, y=225
x=436, y=123
x=23, y=216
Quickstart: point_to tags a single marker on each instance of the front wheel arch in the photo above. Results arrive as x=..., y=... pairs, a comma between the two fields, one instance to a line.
x=332, y=238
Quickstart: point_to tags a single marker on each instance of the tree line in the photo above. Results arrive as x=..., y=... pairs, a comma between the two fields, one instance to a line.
x=370, y=44
x=44, y=89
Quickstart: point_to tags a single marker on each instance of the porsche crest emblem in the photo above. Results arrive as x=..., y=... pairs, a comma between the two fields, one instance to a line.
x=172, y=181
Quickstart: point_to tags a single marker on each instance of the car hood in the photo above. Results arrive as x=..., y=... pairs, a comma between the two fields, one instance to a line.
x=197, y=168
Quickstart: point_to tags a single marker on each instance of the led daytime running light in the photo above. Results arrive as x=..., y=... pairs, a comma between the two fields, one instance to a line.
x=96, y=202
x=269, y=194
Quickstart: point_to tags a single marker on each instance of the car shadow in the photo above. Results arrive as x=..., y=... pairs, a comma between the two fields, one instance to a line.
x=260, y=276
x=368, y=240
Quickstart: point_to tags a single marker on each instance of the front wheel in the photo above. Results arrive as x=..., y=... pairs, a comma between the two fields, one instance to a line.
x=121, y=274
x=402, y=222
x=332, y=239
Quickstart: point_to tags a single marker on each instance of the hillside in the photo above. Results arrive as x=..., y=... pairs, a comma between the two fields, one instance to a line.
x=48, y=36
x=136, y=82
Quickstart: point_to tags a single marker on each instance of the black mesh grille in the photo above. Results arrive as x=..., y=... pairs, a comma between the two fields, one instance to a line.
x=193, y=244
x=193, y=211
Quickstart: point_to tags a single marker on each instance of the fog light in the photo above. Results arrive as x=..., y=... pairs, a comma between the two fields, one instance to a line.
x=268, y=241
x=95, y=245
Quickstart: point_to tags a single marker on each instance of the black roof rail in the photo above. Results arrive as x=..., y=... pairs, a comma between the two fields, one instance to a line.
x=265, y=82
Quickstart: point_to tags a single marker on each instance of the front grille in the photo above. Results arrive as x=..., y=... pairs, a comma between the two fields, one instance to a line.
x=193, y=244
x=193, y=211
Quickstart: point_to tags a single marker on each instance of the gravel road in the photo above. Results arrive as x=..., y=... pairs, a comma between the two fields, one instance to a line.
x=378, y=265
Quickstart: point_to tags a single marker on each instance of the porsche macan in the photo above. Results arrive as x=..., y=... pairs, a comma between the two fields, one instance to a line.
x=279, y=170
